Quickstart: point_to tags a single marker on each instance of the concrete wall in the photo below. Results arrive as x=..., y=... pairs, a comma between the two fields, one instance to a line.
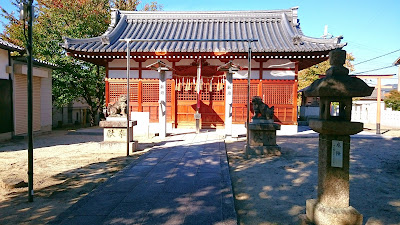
x=308, y=112
x=366, y=113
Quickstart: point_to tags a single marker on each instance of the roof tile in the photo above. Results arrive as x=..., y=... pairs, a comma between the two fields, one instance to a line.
x=276, y=31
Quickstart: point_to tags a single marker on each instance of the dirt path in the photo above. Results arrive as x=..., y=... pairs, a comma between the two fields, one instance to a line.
x=67, y=166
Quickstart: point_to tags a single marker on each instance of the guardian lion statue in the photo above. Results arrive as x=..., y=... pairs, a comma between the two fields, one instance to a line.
x=261, y=110
x=118, y=108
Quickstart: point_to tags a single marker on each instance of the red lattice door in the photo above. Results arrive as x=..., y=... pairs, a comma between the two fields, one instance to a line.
x=278, y=93
x=212, y=104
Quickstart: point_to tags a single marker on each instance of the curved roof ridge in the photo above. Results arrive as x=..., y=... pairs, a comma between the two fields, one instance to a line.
x=111, y=35
x=209, y=12
x=298, y=39
x=196, y=15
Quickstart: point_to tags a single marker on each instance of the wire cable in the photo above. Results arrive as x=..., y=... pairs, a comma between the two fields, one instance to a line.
x=378, y=57
x=373, y=70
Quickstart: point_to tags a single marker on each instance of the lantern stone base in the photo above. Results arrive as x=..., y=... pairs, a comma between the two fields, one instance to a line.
x=262, y=139
x=271, y=150
x=317, y=213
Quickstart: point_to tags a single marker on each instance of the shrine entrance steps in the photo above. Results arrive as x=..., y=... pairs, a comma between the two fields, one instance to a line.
x=184, y=181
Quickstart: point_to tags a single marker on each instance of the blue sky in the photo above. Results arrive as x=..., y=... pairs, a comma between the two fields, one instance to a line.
x=371, y=28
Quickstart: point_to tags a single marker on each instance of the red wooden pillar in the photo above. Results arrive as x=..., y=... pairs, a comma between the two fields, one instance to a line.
x=173, y=103
x=140, y=96
x=107, y=86
x=140, y=69
x=260, y=89
x=107, y=92
x=296, y=71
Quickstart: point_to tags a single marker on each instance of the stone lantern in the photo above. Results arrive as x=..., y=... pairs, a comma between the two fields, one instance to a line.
x=336, y=89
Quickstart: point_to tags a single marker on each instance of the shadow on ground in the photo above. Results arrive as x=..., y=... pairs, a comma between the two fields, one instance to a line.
x=52, y=200
x=172, y=184
x=274, y=190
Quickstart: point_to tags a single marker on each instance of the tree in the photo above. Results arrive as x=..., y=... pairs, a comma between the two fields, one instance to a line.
x=309, y=75
x=392, y=100
x=54, y=19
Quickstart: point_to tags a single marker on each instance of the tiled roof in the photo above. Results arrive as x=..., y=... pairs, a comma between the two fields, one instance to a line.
x=37, y=62
x=9, y=46
x=277, y=31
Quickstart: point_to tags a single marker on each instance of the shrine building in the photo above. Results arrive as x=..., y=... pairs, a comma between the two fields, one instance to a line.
x=279, y=52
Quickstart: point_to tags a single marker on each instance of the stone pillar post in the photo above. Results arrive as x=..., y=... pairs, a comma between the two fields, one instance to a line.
x=161, y=67
x=337, y=88
x=228, y=103
x=229, y=69
x=162, y=107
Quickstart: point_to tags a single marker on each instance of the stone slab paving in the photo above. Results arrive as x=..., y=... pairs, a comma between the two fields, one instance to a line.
x=185, y=181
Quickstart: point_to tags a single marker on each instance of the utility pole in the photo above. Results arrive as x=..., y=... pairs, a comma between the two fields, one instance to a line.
x=248, y=96
x=30, y=102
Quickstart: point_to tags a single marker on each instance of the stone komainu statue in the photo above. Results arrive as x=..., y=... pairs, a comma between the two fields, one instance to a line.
x=261, y=108
x=118, y=108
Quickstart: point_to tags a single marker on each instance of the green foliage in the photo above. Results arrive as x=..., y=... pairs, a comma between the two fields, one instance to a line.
x=392, y=100
x=132, y=5
x=55, y=19
x=309, y=75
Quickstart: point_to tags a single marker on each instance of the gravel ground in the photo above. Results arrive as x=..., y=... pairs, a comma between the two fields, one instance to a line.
x=274, y=190
x=67, y=166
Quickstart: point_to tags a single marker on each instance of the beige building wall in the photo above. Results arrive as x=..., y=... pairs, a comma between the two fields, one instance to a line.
x=46, y=104
x=21, y=104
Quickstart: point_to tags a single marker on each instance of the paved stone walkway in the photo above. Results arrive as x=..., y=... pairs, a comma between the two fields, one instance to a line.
x=185, y=180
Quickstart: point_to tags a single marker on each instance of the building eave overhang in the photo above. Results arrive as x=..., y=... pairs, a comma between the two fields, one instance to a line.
x=10, y=47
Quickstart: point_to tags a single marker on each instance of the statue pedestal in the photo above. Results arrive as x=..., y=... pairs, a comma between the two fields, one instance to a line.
x=115, y=131
x=262, y=138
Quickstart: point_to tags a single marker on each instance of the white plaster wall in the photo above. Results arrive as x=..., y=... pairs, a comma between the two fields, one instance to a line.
x=122, y=63
x=214, y=62
x=279, y=74
x=152, y=74
x=245, y=63
x=46, y=104
x=151, y=61
x=242, y=74
x=3, y=64
x=122, y=73
x=279, y=63
x=184, y=62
